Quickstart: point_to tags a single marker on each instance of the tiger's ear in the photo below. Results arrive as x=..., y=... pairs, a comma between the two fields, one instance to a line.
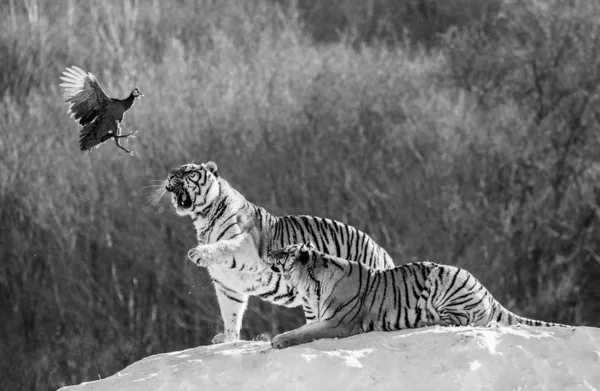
x=212, y=167
x=304, y=255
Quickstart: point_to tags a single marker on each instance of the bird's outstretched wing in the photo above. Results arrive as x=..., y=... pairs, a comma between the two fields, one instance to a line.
x=86, y=98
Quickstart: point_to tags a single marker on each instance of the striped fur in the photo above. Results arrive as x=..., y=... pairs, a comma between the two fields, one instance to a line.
x=349, y=298
x=234, y=236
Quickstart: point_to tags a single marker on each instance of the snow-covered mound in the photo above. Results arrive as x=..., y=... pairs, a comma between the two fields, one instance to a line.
x=434, y=358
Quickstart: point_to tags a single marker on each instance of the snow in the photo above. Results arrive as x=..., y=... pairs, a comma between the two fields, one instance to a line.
x=433, y=358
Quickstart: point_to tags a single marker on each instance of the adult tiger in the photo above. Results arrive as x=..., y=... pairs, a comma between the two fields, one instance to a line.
x=348, y=298
x=234, y=236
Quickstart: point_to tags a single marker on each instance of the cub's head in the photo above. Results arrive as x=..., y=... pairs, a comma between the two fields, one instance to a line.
x=298, y=260
x=192, y=186
x=291, y=258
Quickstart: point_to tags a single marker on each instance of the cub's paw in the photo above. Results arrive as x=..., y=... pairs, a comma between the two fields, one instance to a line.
x=200, y=256
x=280, y=342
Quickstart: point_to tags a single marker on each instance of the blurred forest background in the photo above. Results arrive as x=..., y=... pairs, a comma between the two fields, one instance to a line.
x=456, y=131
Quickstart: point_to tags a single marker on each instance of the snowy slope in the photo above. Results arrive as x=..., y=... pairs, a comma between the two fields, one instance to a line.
x=434, y=358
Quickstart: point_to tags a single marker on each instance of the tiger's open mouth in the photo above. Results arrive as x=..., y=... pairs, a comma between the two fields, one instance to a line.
x=181, y=198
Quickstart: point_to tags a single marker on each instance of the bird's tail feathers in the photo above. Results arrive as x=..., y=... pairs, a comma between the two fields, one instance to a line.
x=87, y=141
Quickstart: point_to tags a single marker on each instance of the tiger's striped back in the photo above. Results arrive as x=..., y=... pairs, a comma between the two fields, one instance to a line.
x=332, y=237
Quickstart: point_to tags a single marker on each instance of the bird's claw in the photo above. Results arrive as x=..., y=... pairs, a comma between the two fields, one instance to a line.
x=131, y=134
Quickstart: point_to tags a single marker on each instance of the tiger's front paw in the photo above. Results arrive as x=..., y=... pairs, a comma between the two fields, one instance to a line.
x=219, y=338
x=281, y=342
x=222, y=338
x=200, y=256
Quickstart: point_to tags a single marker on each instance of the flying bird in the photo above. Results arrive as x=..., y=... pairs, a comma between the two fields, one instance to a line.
x=99, y=115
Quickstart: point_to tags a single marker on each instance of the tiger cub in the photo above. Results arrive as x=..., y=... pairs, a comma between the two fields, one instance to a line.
x=349, y=298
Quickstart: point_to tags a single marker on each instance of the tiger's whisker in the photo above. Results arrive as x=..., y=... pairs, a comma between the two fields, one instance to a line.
x=156, y=195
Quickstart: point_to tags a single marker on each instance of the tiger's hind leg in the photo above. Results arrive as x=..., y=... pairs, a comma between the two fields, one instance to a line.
x=232, y=305
x=456, y=298
x=308, y=333
x=426, y=313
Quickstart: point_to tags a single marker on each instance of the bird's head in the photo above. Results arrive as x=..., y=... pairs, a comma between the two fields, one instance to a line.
x=136, y=93
x=192, y=186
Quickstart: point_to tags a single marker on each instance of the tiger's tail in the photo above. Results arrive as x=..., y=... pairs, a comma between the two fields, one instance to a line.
x=502, y=316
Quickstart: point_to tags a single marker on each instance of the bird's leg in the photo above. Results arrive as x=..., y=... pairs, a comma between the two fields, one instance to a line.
x=126, y=136
x=118, y=128
x=131, y=134
x=118, y=136
x=122, y=147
